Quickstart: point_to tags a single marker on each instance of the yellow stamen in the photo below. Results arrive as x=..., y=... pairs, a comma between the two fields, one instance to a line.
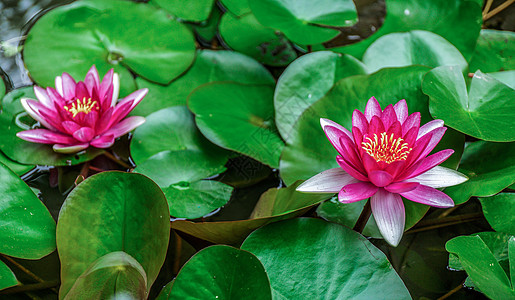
x=84, y=106
x=386, y=148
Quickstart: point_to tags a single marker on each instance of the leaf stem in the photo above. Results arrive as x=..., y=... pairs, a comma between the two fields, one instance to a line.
x=31, y=287
x=363, y=218
x=487, y=7
x=498, y=9
x=444, y=222
x=451, y=292
x=116, y=160
x=25, y=270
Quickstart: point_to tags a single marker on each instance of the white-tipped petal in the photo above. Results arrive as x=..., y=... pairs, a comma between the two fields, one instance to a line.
x=388, y=211
x=43, y=97
x=428, y=127
x=116, y=88
x=59, y=85
x=327, y=122
x=34, y=114
x=329, y=181
x=439, y=177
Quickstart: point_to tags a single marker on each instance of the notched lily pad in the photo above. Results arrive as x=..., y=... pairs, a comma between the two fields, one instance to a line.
x=499, y=211
x=495, y=51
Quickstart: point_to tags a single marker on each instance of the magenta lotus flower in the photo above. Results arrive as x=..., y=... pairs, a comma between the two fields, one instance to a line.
x=386, y=157
x=81, y=114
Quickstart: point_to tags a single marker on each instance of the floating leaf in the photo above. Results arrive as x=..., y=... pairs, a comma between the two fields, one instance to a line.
x=221, y=272
x=209, y=66
x=462, y=24
x=506, y=77
x=274, y=205
x=7, y=277
x=26, y=228
x=499, y=211
x=246, y=35
x=165, y=292
x=306, y=80
x=302, y=255
x=417, y=47
x=114, y=275
x=305, y=22
x=495, y=51
x=207, y=31
x=482, y=267
x=490, y=168
x=194, y=11
x=17, y=168
x=116, y=212
x=104, y=33
x=485, y=112
x=240, y=118
x=13, y=119
x=237, y=7
x=2, y=87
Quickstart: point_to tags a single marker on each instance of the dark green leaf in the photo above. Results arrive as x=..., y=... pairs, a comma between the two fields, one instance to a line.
x=221, y=272
x=485, y=112
x=301, y=256
x=195, y=11
x=112, y=276
x=236, y=7
x=209, y=66
x=115, y=211
x=7, y=277
x=499, y=211
x=240, y=118
x=495, y=51
x=27, y=230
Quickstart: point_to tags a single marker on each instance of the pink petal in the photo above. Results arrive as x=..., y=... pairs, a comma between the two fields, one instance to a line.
x=388, y=116
x=70, y=148
x=135, y=97
x=350, y=154
x=107, y=82
x=413, y=120
x=395, y=128
x=429, y=196
x=358, y=136
x=92, y=80
x=120, y=111
x=32, y=107
x=345, y=165
x=43, y=97
x=68, y=86
x=411, y=136
x=85, y=134
x=356, y=191
x=55, y=97
x=429, y=126
x=329, y=181
x=436, y=136
x=376, y=126
x=70, y=126
x=104, y=141
x=45, y=136
x=428, y=163
x=327, y=122
x=81, y=91
x=380, y=178
x=439, y=177
x=401, y=110
x=359, y=121
x=125, y=126
x=388, y=211
x=372, y=109
x=90, y=120
x=103, y=122
x=401, y=187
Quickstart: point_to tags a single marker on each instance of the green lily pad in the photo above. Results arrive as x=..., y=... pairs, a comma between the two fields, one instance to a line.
x=499, y=211
x=207, y=30
x=104, y=33
x=481, y=266
x=462, y=24
x=307, y=80
x=506, y=77
x=112, y=276
x=2, y=87
x=14, y=119
x=195, y=11
x=17, y=168
x=305, y=22
x=209, y=66
x=485, y=112
x=116, y=211
x=7, y=277
x=26, y=228
x=246, y=35
x=274, y=205
x=240, y=118
x=495, y=51
x=490, y=168
x=221, y=272
x=237, y=7
x=416, y=47
x=165, y=292
x=301, y=256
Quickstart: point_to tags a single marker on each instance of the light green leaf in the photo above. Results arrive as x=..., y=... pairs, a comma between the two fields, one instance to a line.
x=495, y=51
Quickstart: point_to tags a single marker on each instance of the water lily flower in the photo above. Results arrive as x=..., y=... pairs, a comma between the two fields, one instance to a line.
x=81, y=114
x=383, y=158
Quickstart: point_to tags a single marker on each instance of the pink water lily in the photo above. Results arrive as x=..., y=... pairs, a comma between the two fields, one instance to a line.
x=81, y=114
x=383, y=158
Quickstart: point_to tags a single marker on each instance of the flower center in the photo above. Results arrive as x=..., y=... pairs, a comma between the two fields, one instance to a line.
x=84, y=106
x=386, y=148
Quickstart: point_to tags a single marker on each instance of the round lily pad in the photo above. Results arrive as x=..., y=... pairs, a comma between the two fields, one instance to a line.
x=195, y=11
x=506, y=77
x=240, y=118
x=26, y=228
x=7, y=277
x=462, y=24
x=416, y=47
x=486, y=111
x=246, y=35
x=104, y=33
x=303, y=21
x=499, y=211
x=209, y=66
x=221, y=272
x=236, y=7
x=14, y=119
x=116, y=211
x=301, y=256
x=495, y=51
x=306, y=80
